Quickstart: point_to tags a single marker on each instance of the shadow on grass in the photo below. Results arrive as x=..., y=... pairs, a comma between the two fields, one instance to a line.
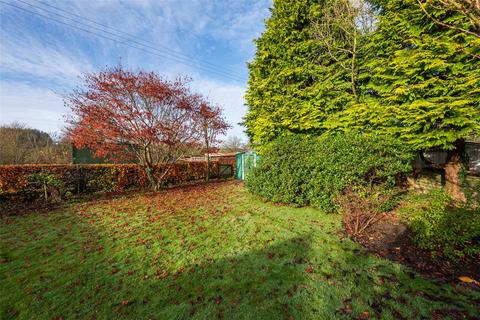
x=66, y=266
x=261, y=284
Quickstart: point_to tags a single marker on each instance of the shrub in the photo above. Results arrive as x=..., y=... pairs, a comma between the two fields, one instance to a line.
x=439, y=225
x=47, y=184
x=303, y=170
x=283, y=171
x=110, y=179
x=364, y=206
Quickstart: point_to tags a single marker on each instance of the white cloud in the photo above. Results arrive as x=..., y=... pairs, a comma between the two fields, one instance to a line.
x=23, y=53
x=38, y=107
x=243, y=24
x=230, y=97
x=34, y=60
x=43, y=64
x=43, y=108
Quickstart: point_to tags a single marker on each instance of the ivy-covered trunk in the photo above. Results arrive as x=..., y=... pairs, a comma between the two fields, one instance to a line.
x=453, y=166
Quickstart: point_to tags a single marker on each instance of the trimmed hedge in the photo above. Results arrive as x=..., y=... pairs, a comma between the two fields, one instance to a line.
x=30, y=182
x=315, y=171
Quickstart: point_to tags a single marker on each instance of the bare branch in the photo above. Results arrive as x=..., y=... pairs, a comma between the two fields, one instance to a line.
x=341, y=29
x=468, y=8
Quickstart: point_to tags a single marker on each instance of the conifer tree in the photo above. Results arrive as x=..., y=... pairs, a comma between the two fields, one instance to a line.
x=423, y=80
x=417, y=78
x=304, y=70
x=283, y=95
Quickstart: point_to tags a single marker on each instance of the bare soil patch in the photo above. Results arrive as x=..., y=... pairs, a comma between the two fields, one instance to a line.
x=390, y=238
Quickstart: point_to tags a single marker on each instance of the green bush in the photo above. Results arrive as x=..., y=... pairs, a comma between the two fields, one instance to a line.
x=46, y=184
x=105, y=179
x=303, y=170
x=283, y=171
x=440, y=226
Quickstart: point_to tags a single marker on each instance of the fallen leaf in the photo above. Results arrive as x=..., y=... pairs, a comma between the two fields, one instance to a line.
x=468, y=280
x=309, y=269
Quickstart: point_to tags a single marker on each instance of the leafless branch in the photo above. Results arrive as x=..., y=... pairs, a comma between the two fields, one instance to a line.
x=341, y=29
x=468, y=8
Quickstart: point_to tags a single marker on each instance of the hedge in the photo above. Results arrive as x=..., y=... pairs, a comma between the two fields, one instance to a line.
x=30, y=182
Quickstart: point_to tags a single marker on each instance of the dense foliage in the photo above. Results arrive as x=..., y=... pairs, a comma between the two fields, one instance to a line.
x=422, y=80
x=442, y=227
x=304, y=170
x=293, y=84
x=407, y=69
x=412, y=76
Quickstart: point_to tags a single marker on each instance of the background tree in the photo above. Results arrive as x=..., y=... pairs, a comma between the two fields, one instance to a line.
x=117, y=110
x=212, y=125
x=233, y=144
x=21, y=145
x=18, y=142
x=57, y=150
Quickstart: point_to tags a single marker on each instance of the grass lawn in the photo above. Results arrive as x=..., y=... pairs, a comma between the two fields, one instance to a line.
x=210, y=251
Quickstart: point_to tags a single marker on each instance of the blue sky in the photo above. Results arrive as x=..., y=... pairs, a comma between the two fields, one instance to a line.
x=41, y=59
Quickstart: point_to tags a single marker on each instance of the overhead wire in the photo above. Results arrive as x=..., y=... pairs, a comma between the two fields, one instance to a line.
x=125, y=41
x=132, y=36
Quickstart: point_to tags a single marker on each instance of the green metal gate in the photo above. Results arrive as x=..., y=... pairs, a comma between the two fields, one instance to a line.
x=245, y=162
x=226, y=171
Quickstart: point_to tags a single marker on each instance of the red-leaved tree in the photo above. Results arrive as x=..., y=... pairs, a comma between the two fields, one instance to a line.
x=212, y=125
x=121, y=114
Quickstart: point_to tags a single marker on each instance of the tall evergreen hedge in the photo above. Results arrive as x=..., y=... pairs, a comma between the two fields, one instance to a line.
x=422, y=79
x=418, y=80
x=293, y=85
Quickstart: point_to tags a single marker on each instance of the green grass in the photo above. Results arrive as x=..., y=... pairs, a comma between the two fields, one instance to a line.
x=211, y=251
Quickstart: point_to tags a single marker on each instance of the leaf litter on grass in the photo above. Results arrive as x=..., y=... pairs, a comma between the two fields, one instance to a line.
x=206, y=251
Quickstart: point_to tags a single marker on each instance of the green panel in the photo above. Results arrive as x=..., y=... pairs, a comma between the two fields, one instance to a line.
x=84, y=156
x=238, y=166
x=245, y=162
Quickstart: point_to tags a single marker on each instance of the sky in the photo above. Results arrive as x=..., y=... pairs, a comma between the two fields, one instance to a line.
x=46, y=47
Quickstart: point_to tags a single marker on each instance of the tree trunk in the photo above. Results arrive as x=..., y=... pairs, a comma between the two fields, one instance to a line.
x=151, y=178
x=150, y=169
x=354, y=70
x=208, y=166
x=45, y=191
x=208, y=154
x=453, y=165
